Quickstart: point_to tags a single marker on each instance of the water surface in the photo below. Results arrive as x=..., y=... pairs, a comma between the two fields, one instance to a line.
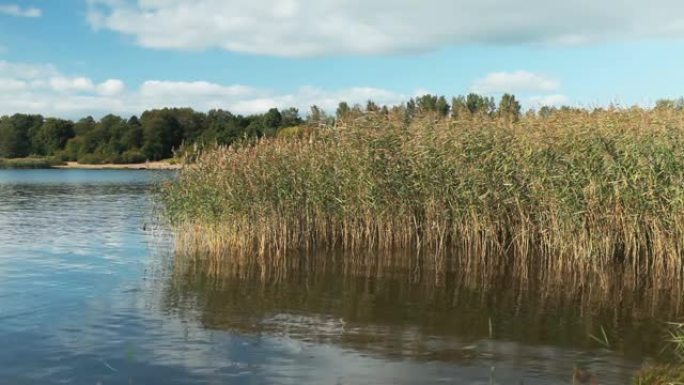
x=90, y=294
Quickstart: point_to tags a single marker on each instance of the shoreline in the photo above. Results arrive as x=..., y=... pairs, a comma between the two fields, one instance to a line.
x=158, y=165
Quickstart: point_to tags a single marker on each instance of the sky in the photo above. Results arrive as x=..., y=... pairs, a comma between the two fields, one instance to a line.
x=72, y=58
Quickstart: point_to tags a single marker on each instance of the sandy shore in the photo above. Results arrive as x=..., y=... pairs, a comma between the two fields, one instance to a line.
x=162, y=165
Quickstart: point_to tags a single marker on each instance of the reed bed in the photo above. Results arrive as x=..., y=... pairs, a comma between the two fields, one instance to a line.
x=557, y=198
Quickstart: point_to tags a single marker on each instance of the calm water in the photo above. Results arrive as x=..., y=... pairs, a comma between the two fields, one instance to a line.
x=89, y=295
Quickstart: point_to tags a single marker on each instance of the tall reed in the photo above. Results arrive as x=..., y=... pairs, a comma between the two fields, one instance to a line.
x=559, y=198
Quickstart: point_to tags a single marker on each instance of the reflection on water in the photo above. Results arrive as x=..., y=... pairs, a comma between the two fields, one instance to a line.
x=394, y=318
x=89, y=294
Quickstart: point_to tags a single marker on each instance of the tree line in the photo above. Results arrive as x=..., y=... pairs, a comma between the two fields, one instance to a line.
x=155, y=135
x=158, y=133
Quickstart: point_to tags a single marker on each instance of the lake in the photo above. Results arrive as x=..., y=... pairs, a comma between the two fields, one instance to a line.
x=90, y=294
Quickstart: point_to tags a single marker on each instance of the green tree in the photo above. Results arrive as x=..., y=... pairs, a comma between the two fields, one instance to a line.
x=426, y=103
x=85, y=125
x=442, y=107
x=161, y=134
x=410, y=110
x=132, y=137
x=272, y=120
x=23, y=125
x=290, y=117
x=14, y=139
x=433, y=104
x=509, y=108
x=53, y=135
x=478, y=104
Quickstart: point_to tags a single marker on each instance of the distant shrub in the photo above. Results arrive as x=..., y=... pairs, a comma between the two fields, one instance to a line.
x=133, y=156
x=64, y=156
x=93, y=159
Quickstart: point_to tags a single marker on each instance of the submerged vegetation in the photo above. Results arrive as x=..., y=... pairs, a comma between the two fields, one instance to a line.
x=564, y=197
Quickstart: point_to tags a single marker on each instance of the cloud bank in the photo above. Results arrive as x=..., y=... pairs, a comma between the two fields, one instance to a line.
x=302, y=28
x=37, y=88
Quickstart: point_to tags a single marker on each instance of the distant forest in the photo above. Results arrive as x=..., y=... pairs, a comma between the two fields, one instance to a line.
x=158, y=134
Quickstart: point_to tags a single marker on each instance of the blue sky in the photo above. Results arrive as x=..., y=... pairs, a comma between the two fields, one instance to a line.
x=76, y=57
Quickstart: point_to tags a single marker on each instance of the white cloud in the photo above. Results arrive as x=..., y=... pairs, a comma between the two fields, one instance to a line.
x=32, y=88
x=111, y=87
x=77, y=84
x=15, y=10
x=297, y=28
x=247, y=100
x=554, y=100
x=12, y=85
x=27, y=71
x=514, y=82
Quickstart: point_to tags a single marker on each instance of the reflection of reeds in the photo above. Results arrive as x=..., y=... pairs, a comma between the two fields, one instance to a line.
x=377, y=308
x=575, y=198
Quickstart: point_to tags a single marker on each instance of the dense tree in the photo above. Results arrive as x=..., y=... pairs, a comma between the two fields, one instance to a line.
x=410, y=111
x=433, y=104
x=478, y=104
x=162, y=133
x=290, y=117
x=16, y=134
x=52, y=136
x=132, y=137
x=84, y=126
x=14, y=139
x=509, y=108
x=426, y=103
x=272, y=120
x=442, y=107
x=221, y=128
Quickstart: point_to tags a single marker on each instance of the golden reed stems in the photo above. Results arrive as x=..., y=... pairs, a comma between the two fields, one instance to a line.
x=555, y=199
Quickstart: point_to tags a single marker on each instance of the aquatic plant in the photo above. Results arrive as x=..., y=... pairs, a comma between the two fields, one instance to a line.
x=559, y=198
x=669, y=374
